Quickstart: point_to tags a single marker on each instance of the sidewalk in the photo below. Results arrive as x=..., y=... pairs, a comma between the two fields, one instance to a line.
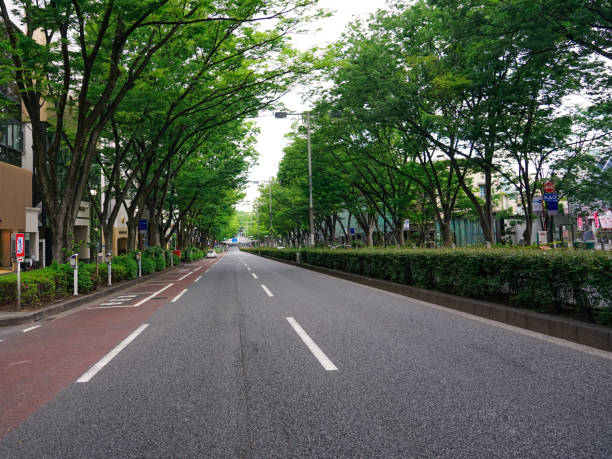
x=24, y=317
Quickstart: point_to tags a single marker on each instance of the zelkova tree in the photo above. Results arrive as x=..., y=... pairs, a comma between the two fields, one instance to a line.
x=469, y=80
x=78, y=61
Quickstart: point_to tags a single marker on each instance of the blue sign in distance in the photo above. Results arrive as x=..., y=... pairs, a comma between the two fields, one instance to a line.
x=234, y=239
x=552, y=201
x=142, y=225
x=551, y=197
x=352, y=230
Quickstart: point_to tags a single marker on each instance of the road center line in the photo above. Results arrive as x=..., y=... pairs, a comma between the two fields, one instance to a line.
x=181, y=278
x=175, y=299
x=111, y=355
x=152, y=295
x=254, y=275
x=31, y=328
x=266, y=290
x=312, y=346
x=199, y=277
x=248, y=268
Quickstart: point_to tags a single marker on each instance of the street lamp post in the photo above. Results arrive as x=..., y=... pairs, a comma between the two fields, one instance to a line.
x=310, y=205
x=311, y=209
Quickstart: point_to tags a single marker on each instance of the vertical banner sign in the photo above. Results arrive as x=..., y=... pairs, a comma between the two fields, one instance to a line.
x=20, y=247
x=596, y=219
x=579, y=223
x=20, y=255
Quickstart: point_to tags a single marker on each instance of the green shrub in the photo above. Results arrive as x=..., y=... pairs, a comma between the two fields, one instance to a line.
x=147, y=265
x=129, y=263
x=160, y=262
x=119, y=272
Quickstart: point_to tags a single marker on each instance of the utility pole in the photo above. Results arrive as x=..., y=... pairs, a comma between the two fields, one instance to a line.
x=258, y=241
x=270, y=193
x=311, y=209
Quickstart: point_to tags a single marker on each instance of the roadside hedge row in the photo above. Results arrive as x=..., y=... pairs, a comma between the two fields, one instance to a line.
x=548, y=281
x=56, y=281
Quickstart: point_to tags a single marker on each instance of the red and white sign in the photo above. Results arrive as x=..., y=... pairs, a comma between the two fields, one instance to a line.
x=579, y=223
x=596, y=220
x=549, y=187
x=605, y=221
x=20, y=246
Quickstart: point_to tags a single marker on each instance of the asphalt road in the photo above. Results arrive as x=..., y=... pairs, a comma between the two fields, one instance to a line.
x=311, y=366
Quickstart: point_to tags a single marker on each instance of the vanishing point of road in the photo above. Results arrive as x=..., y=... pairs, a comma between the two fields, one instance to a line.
x=248, y=357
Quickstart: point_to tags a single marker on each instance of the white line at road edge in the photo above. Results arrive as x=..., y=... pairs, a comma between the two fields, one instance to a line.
x=269, y=293
x=31, y=328
x=316, y=350
x=199, y=277
x=254, y=275
x=181, y=278
x=111, y=355
x=175, y=299
x=152, y=295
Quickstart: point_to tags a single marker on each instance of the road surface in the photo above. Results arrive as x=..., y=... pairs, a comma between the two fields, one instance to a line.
x=249, y=357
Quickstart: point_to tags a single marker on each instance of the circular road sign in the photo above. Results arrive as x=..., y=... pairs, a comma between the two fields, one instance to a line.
x=549, y=187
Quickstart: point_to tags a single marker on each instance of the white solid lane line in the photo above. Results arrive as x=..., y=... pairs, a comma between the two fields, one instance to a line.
x=181, y=278
x=175, y=299
x=199, y=277
x=312, y=346
x=269, y=293
x=111, y=355
x=31, y=328
x=254, y=275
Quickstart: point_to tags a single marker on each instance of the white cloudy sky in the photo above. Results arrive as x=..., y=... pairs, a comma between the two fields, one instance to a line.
x=271, y=139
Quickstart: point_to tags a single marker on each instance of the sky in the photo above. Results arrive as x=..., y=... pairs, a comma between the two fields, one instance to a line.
x=271, y=139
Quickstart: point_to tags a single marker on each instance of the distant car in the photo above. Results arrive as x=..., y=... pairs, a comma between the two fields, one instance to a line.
x=280, y=247
x=211, y=254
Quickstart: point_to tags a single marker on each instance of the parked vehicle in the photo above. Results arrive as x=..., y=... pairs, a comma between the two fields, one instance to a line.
x=211, y=254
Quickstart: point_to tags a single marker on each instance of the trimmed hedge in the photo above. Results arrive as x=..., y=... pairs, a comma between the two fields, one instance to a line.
x=56, y=281
x=548, y=281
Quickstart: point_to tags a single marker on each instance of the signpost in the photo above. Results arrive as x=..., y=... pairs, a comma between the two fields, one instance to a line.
x=20, y=256
x=406, y=224
x=552, y=203
x=536, y=205
x=542, y=238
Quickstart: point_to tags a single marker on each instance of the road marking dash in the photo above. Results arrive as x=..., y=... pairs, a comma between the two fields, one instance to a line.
x=181, y=278
x=266, y=290
x=175, y=299
x=31, y=328
x=144, y=300
x=111, y=355
x=200, y=277
x=254, y=275
x=312, y=346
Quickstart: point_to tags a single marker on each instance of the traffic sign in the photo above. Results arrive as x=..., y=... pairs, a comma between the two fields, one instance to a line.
x=536, y=204
x=352, y=231
x=549, y=187
x=550, y=197
x=19, y=246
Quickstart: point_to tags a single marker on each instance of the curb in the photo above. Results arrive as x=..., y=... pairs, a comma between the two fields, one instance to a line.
x=591, y=335
x=35, y=316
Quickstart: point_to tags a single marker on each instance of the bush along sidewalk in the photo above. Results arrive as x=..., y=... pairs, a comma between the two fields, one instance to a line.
x=56, y=281
x=563, y=282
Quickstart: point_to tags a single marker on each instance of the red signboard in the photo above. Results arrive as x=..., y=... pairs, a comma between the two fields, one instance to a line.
x=20, y=246
x=549, y=187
